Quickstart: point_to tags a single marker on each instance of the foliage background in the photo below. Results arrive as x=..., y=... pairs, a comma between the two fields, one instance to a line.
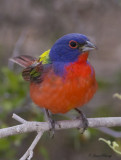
x=31, y=27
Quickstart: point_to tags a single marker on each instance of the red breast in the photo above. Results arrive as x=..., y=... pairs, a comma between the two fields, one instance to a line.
x=61, y=94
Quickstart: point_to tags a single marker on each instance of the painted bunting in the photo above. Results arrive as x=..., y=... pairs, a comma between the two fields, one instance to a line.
x=62, y=78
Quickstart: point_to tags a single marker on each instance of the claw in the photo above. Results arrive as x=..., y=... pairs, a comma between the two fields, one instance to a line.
x=52, y=124
x=52, y=129
x=83, y=119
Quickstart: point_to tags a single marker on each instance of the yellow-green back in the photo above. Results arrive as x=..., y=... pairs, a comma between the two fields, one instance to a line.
x=44, y=57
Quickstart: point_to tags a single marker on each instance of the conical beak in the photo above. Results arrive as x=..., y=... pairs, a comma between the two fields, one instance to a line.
x=88, y=46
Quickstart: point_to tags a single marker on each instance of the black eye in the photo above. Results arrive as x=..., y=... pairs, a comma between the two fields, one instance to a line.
x=73, y=44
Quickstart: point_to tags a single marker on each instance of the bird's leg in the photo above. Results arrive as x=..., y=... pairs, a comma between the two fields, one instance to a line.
x=84, y=119
x=52, y=123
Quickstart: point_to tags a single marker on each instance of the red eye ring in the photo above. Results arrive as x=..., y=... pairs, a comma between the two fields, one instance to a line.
x=73, y=44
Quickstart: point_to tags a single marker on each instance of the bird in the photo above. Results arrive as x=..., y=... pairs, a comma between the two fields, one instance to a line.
x=62, y=78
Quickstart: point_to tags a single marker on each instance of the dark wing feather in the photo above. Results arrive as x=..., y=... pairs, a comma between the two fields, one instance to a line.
x=33, y=73
x=24, y=60
x=34, y=69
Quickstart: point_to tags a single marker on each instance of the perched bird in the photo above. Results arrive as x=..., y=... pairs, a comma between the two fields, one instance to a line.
x=62, y=78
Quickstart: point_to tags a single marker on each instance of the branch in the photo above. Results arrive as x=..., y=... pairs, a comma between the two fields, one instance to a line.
x=108, y=131
x=41, y=127
x=65, y=124
x=19, y=119
x=29, y=152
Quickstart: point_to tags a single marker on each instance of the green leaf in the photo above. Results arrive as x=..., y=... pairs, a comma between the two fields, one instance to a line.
x=113, y=145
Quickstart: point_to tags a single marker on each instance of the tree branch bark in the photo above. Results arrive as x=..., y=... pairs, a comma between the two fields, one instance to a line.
x=41, y=127
x=65, y=124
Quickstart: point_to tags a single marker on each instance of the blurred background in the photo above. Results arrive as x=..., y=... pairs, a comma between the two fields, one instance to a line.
x=31, y=27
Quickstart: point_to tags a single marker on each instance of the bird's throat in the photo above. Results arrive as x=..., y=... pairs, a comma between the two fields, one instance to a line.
x=59, y=67
x=83, y=57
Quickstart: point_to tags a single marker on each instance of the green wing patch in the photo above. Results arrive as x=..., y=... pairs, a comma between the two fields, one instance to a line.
x=33, y=73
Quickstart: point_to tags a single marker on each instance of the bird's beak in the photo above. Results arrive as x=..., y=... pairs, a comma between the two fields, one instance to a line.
x=88, y=46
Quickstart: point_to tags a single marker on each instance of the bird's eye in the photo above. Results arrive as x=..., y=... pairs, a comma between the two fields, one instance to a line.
x=73, y=44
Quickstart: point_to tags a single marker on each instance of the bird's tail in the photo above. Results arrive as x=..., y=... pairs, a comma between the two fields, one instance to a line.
x=24, y=60
x=32, y=68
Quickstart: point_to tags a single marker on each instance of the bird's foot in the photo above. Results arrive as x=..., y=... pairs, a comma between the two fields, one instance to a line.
x=52, y=124
x=52, y=127
x=84, y=120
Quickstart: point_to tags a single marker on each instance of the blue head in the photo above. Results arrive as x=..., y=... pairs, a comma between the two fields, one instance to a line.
x=69, y=47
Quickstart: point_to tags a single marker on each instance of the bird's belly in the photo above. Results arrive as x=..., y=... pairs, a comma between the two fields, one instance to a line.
x=60, y=95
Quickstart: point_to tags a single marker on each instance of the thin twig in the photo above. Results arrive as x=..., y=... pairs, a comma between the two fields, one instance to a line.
x=19, y=119
x=115, y=134
x=29, y=152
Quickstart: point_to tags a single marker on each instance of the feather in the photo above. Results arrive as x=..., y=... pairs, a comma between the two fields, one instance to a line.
x=24, y=60
x=34, y=68
x=33, y=73
x=44, y=57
